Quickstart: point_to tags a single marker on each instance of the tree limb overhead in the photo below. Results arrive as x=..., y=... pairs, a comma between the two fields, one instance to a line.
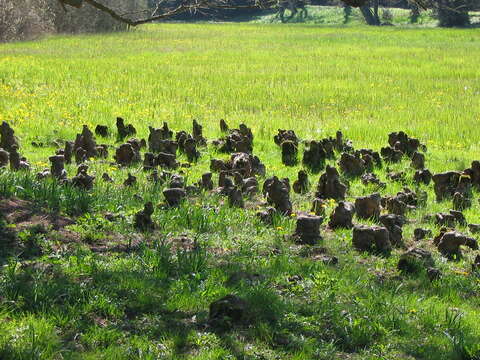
x=196, y=5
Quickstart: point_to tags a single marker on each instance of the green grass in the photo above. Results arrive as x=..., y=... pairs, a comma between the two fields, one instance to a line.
x=423, y=80
x=75, y=301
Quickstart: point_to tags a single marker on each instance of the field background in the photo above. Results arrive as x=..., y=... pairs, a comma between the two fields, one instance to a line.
x=88, y=301
x=365, y=81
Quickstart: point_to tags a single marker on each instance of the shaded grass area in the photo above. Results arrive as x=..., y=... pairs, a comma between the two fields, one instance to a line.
x=149, y=299
x=335, y=15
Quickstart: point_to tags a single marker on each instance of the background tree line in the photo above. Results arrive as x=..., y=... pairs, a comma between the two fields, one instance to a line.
x=23, y=19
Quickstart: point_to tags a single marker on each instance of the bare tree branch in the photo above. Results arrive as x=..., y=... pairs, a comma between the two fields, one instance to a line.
x=182, y=8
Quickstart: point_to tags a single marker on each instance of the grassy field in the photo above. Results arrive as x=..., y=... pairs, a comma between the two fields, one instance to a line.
x=91, y=299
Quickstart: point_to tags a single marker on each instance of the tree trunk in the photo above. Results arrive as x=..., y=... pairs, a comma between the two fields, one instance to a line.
x=452, y=13
x=369, y=16
x=414, y=13
x=375, y=11
x=347, y=13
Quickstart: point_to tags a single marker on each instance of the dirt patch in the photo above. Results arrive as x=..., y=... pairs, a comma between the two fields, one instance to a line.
x=25, y=215
x=117, y=243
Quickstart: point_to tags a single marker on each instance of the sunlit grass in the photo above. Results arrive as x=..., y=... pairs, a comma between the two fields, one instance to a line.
x=365, y=81
x=152, y=302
